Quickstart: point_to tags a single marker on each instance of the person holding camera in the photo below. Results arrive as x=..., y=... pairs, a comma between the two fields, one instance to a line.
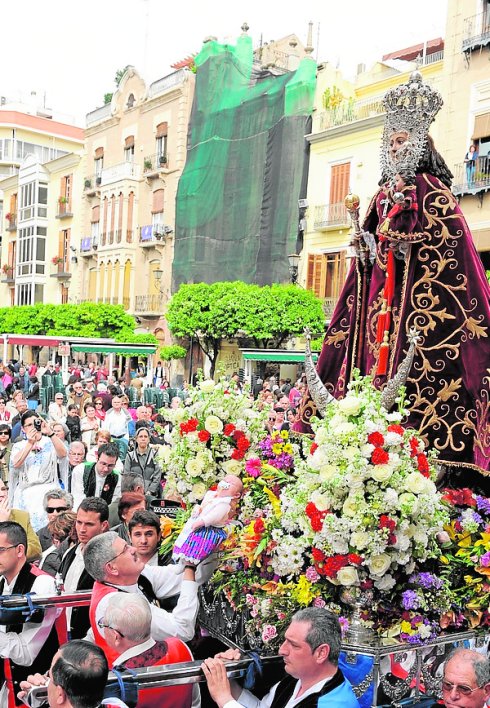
x=34, y=467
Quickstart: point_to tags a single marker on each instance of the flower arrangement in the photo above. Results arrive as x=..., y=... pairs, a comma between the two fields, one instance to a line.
x=7, y=268
x=56, y=260
x=10, y=216
x=212, y=436
x=358, y=518
x=466, y=558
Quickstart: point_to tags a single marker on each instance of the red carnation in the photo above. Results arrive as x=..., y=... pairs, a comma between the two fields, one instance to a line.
x=311, y=510
x=334, y=564
x=379, y=456
x=237, y=455
x=203, y=435
x=354, y=559
x=386, y=523
x=238, y=434
x=423, y=464
x=391, y=539
x=318, y=555
x=243, y=444
x=414, y=447
x=396, y=429
x=313, y=447
x=259, y=525
x=316, y=523
x=229, y=429
x=376, y=439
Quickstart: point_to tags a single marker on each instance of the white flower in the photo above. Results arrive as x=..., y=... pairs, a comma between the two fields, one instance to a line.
x=350, y=506
x=424, y=630
x=381, y=473
x=408, y=502
x=321, y=501
x=345, y=429
x=327, y=472
x=366, y=450
x=337, y=420
x=351, y=452
x=178, y=415
x=232, y=467
x=350, y=405
x=402, y=542
x=194, y=467
x=359, y=540
x=207, y=385
x=198, y=490
x=391, y=497
x=213, y=424
x=386, y=582
x=322, y=436
x=416, y=483
x=379, y=564
x=348, y=576
x=393, y=438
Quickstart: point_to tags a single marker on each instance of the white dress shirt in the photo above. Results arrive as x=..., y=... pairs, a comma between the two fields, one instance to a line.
x=248, y=700
x=77, y=485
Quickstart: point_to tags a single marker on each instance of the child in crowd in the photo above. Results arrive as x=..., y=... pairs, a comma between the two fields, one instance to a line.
x=73, y=422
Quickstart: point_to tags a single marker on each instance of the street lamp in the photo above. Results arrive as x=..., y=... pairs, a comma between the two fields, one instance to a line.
x=293, y=259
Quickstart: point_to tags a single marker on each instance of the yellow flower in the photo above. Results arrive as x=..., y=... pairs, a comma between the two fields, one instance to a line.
x=277, y=448
x=406, y=627
x=276, y=504
x=284, y=434
x=302, y=592
x=288, y=449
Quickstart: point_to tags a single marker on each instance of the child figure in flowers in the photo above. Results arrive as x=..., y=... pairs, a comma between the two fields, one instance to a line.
x=204, y=531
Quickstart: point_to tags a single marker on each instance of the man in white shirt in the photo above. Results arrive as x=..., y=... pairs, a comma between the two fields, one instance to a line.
x=116, y=422
x=92, y=515
x=28, y=645
x=310, y=651
x=115, y=565
x=97, y=479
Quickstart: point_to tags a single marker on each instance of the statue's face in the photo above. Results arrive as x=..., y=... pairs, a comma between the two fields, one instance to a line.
x=397, y=141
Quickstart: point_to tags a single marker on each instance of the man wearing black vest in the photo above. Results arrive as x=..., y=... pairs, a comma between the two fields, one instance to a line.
x=26, y=646
x=310, y=651
x=98, y=479
x=92, y=516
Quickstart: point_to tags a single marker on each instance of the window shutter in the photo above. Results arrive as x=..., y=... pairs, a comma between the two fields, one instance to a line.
x=315, y=279
x=129, y=142
x=482, y=127
x=95, y=214
x=13, y=203
x=157, y=201
x=99, y=154
x=162, y=130
x=339, y=183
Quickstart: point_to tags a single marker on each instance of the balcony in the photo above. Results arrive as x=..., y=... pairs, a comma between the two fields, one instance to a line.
x=91, y=185
x=12, y=222
x=476, y=31
x=347, y=112
x=154, y=165
x=475, y=182
x=149, y=305
x=64, y=210
x=88, y=246
x=60, y=270
x=153, y=235
x=116, y=173
x=329, y=304
x=165, y=83
x=8, y=275
x=331, y=216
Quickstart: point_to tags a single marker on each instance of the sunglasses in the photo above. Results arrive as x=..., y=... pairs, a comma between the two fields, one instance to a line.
x=59, y=509
x=462, y=690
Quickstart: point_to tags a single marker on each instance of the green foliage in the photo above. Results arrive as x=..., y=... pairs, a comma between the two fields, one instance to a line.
x=488, y=275
x=119, y=74
x=108, y=98
x=316, y=344
x=267, y=315
x=173, y=351
x=85, y=320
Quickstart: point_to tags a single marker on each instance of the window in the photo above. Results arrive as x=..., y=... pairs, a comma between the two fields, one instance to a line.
x=326, y=274
x=129, y=149
x=161, y=143
x=339, y=183
x=66, y=186
x=98, y=165
x=131, y=101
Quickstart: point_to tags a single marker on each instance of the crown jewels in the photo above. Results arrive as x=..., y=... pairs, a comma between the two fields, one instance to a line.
x=410, y=107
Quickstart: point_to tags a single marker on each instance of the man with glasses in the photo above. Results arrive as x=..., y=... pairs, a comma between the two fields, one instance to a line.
x=466, y=680
x=92, y=515
x=57, y=409
x=310, y=652
x=29, y=646
x=55, y=502
x=76, y=456
x=116, y=566
x=79, y=397
x=77, y=677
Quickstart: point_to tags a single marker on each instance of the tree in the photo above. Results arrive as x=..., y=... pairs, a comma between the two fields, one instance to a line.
x=268, y=315
x=117, y=80
x=85, y=320
x=172, y=351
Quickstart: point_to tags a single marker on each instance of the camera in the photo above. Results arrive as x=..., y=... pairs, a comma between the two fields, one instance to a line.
x=38, y=424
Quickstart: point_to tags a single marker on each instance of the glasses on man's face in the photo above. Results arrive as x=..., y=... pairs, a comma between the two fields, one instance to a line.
x=126, y=546
x=102, y=625
x=57, y=509
x=7, y=548
x=463, y=690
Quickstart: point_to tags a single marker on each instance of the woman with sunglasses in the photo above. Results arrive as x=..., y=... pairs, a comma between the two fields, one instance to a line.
x=5, y=449
x=99, y=408
x=57, y=409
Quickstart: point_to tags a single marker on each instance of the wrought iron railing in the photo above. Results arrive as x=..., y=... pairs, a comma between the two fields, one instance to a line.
x=472, y=177
x=476, y=31
x=158, y=161
x=149, y=303
x=348, y=112
x=330, y=215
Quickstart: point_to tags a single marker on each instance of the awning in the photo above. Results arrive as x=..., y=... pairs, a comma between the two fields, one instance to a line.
x=482, y=126
x=284, y=356
x=34, y=341
x=125, y=349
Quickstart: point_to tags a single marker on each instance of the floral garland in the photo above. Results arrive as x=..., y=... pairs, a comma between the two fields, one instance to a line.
x=211, y=437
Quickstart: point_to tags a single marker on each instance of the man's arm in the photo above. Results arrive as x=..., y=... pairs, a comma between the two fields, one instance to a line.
x=23, y=648
x=77, y=485
x=229, y=694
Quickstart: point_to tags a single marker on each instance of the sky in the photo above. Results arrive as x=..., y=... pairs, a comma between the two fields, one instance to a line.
x=69, y=51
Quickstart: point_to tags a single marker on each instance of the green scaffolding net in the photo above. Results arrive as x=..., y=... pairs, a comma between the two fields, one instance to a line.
x=237, y=201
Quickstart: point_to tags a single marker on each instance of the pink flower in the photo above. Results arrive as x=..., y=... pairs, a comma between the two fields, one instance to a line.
x=312, y=575
x=281, y=616
x=254, y=611
x=250, y=599
x=253, y=467
x=319, y=602
x=268, y=633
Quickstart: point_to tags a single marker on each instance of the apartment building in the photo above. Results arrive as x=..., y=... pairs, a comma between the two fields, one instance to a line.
x=135, y=150
x=36, y=154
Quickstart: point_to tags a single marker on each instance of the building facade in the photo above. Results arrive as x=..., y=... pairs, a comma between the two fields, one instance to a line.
x=135, y=151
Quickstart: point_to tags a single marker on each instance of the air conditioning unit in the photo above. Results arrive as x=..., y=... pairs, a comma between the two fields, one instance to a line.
x=302, y=203
x=167, y=230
